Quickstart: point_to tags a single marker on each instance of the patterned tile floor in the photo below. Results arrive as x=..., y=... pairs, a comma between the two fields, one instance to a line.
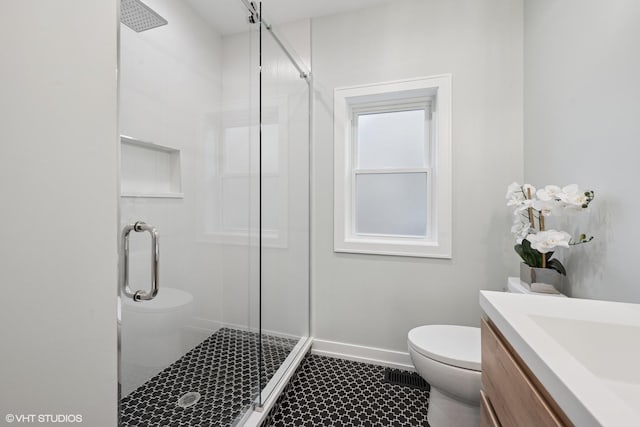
x=223, y=369
x=335, y=392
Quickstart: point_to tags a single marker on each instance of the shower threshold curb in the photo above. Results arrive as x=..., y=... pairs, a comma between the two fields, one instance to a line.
x=254, y=418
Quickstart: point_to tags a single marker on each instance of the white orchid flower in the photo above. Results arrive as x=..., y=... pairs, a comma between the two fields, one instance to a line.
x=546, y=207
x=523, y=205
x=577, y=199
x=527, y=187
x=520, y=228
x=513, y=190
x=546, y=241
x=573, y=197
x=549, y=192
x=516, y=202
x=514, y=195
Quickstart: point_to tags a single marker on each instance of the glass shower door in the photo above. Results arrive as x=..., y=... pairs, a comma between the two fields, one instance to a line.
x=214, y=292
x=284, y=173
x=188, y=121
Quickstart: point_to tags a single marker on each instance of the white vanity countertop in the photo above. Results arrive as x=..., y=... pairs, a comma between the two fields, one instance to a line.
x=585, y=352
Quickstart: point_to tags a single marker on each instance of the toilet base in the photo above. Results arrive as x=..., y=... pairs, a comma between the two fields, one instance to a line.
x=445, y=411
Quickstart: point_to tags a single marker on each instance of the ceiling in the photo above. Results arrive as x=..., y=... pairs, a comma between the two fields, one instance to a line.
x=230, y=16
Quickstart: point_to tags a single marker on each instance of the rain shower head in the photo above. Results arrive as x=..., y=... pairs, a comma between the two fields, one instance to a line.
x=138, y=16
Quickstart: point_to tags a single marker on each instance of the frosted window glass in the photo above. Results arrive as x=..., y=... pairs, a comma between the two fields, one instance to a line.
x=270, y=148
x=271, y=197
x=236, y=149
x=392, y=204
x=391, y=140
x=235, y=203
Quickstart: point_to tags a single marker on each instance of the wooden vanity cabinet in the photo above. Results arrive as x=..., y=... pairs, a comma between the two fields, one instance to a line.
x=511, y=395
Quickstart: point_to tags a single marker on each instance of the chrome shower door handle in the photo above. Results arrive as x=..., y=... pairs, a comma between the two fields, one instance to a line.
x=139, y=295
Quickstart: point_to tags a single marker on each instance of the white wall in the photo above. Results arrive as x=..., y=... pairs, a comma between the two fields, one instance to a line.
x=375, y=300
x=58, y=178
x=582, y=101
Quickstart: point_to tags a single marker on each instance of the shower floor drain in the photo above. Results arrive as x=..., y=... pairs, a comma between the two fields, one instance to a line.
x=189, y=399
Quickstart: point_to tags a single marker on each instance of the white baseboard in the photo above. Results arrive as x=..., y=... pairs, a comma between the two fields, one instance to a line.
x=360, y=353
x=211, y=326
x=203, y=324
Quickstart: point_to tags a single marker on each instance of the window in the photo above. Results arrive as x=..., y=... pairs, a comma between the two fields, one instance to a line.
x=392, y=183
x=229, y=214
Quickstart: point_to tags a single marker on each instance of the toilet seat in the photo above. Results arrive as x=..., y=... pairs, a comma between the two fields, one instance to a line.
x=457, y=346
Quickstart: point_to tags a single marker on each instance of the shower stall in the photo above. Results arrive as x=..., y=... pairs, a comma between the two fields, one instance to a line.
x=214, y=209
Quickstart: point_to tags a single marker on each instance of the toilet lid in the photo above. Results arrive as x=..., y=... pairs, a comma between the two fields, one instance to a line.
x=167, y=299
x=454, y=345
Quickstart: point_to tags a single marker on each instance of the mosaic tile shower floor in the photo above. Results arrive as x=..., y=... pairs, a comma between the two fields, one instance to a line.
x=222, y=369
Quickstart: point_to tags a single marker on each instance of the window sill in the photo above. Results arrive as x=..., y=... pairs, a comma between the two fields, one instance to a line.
x=397, y=248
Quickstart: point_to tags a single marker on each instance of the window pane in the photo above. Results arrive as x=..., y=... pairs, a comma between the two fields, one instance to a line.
x=270, y=148
x=271, y=197
x=391, y=140
x=391, y=203
x=235, y=203
x=236, y=149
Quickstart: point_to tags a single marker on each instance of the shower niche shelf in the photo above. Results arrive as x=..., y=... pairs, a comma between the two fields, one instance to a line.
x=149, y=170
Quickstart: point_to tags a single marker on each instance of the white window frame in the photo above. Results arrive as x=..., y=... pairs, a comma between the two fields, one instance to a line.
x=434, y=95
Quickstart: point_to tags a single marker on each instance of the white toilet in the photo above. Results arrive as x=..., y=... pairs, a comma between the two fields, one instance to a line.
x=448, y=358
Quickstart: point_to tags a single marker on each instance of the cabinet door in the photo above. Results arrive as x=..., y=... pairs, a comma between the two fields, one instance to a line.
x=514, y=397
x=488, y=418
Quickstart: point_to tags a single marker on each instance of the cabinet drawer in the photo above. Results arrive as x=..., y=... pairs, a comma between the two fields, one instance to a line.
x=515, y=398
x=487, y=416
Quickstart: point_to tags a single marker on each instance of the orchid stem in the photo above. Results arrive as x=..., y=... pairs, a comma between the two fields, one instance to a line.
x=531, y=219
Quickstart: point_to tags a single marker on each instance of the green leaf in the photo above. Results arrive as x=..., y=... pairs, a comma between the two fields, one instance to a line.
x=534, y=257
x=556, y=265
x=530, y=256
